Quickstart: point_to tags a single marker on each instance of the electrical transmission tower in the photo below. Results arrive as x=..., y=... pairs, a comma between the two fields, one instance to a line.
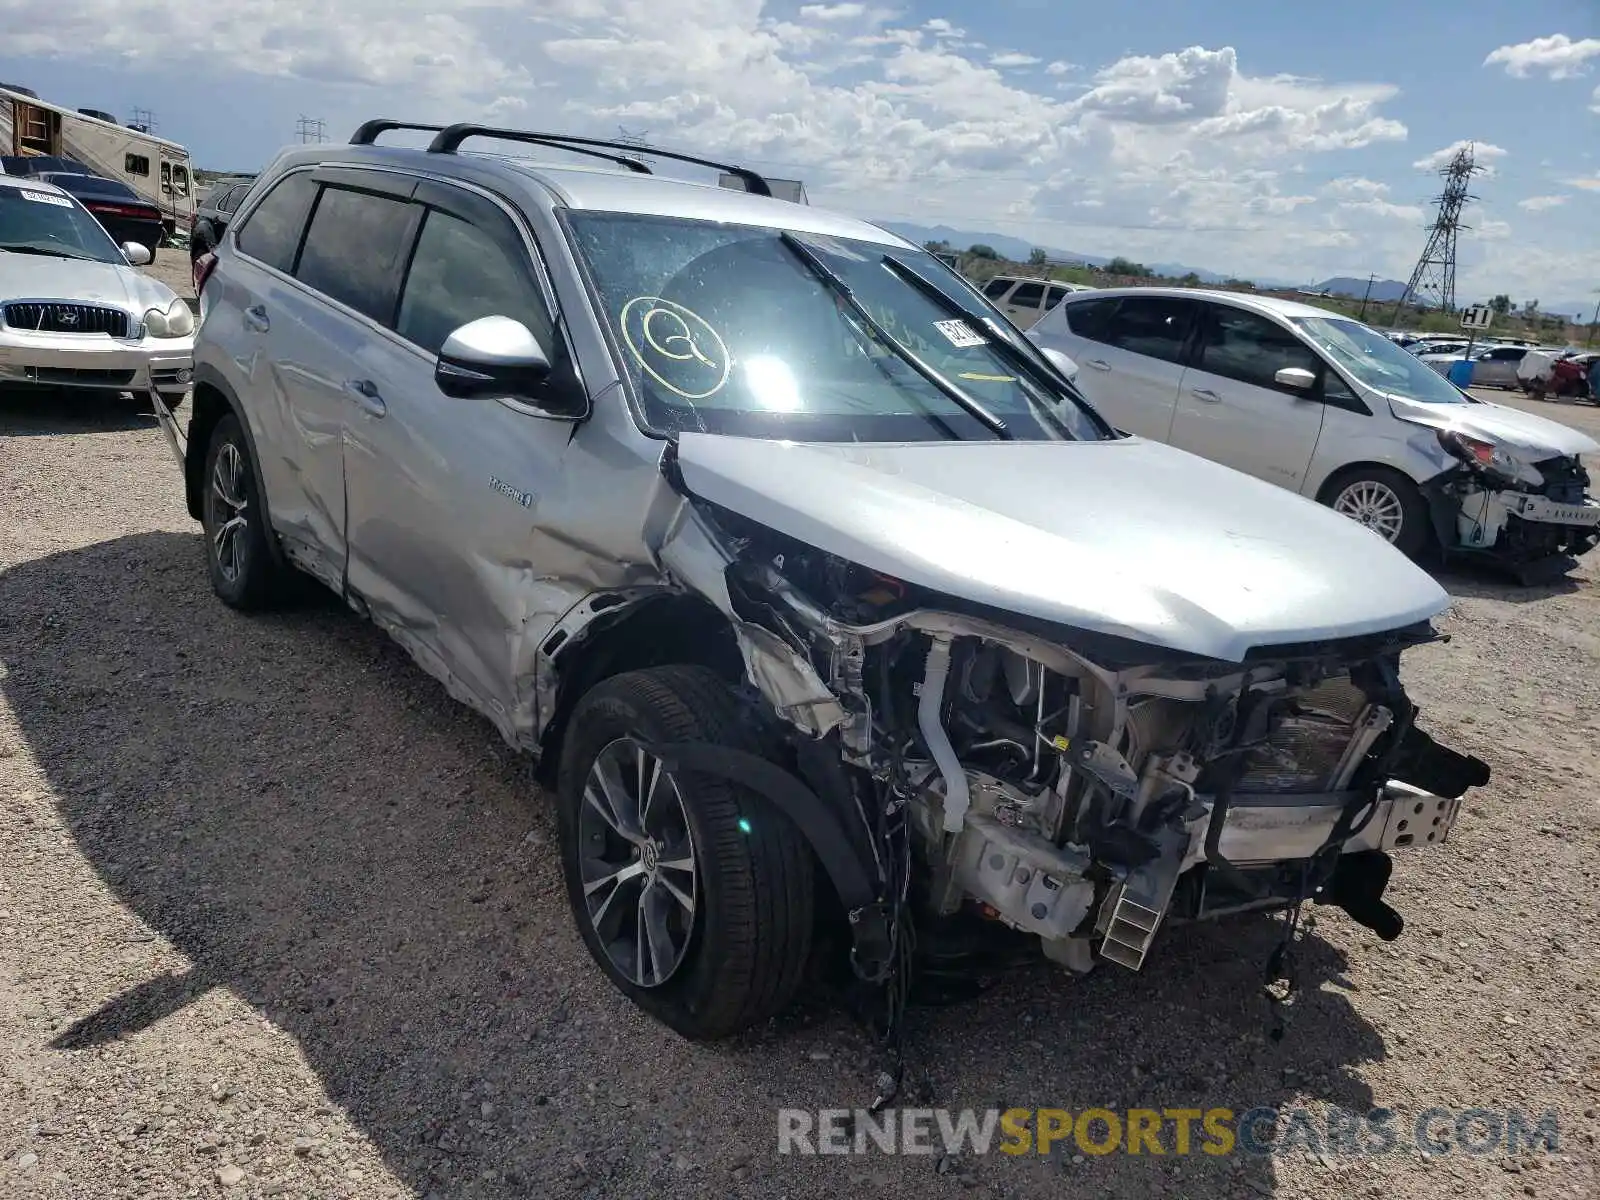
x=310, y=129
x=143, y=120
x=637, y=140
x=1433, y=279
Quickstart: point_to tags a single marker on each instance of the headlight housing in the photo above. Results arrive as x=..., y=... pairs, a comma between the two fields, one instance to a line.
x=173, y=322
x=1487, y=457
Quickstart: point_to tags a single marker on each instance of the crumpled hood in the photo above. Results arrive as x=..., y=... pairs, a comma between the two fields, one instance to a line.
x=41, y=277
x=1526, y=435
x=1128, y=538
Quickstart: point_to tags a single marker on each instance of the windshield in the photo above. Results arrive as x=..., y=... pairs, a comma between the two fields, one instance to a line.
x=755, y=332
x=40, y=222
x=1377, y=362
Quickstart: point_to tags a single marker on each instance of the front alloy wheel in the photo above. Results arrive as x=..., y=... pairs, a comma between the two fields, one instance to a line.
x=239, y=559
x=226, y=508
x=637, y=862
x=1375, y=505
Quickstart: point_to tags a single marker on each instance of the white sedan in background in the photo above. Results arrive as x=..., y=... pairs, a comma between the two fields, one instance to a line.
x=1325, y=406
x=74, y=312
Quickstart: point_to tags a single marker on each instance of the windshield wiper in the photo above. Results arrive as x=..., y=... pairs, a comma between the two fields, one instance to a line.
x=48, y=253
x=1019, y=359
x=832, y=281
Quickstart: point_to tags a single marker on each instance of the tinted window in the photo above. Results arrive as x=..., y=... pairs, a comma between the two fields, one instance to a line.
x=1027, y=295
x=1509, y=354
x=460, y=273
x=271, y=234
x=1057, y=295
x=136, y=164
x=1251, y=349
x=1154, y=326
x=353, y=249
x=996, y=288
x=230, y=199
x=1090, y=318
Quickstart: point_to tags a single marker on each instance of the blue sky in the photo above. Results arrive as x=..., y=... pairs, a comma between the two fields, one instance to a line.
x=1258, y=138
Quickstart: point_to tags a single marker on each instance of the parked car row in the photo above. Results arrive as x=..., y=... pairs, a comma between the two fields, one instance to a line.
x=823, y=596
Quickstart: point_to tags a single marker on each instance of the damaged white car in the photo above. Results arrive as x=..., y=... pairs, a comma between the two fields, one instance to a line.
x=822, y=595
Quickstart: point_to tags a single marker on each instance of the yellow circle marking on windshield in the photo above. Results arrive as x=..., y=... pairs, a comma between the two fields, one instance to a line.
x=676, y=346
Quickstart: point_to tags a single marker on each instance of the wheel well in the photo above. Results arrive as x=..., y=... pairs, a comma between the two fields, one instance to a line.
x=209, y=406
x=1325, y=492
x=666, y=629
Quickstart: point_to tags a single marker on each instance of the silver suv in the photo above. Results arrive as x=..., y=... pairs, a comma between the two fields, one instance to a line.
x=826, y=603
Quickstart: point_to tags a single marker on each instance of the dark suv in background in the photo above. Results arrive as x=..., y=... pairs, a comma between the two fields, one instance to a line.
x=215, y=211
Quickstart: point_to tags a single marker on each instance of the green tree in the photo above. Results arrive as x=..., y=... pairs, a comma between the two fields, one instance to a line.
x=1124, y=266
x=1190, y=280
x=980, y=250
x=1530, y=309
x=1501, y=304
x=1037, y=257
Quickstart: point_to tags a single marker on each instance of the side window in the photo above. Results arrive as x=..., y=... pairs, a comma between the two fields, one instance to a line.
x=996, y=288
x=461, y=272
x=1247, y=347
x=230, y=202
x=1157, y=326
x=166, y=177
x=135, y=164
x=180, y=180
x=354, y=247
x=271, y=234
x=1027, y=295
x=1056, y=296
x=1090, y=318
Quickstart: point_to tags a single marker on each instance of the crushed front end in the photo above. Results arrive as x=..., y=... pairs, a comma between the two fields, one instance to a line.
x=1078, y=788
x=1535, y=517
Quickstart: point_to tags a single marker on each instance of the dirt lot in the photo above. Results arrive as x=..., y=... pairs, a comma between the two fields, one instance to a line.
x=277, y=918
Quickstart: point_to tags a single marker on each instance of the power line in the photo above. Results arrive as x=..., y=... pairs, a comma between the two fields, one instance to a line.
x=143, y=120
x=1434, y=276
x=310, y=129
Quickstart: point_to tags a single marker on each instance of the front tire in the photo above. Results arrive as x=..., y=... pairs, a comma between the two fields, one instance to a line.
x=239, y=559
x=693, y=895
x=1386, y=502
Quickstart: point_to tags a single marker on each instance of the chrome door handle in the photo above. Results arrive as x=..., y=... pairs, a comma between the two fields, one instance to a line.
x=1206, y=394
x=255, y=317
x=365, y=393
x=1099, y=364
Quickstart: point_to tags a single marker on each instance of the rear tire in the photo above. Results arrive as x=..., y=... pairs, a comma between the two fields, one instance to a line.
x=1383, y=500
x=734, y=925
x=244, y=573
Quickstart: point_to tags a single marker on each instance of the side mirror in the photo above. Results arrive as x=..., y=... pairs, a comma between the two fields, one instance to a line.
x=136, y=254
x=1298, y=378
x=1061, y=363
x=493, y=356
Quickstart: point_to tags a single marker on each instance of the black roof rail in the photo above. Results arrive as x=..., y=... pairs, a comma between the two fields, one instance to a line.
x=368, y=133
x=449, y=141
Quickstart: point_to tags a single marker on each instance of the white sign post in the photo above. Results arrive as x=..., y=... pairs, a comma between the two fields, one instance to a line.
x=1476, y=316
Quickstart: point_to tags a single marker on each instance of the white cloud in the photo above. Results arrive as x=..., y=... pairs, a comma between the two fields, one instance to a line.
x=833, y=12
x=1558, y=55
x=1189, y=85
x=1387, y=209
x=1483, y=153
x=1061, y=67
x=1013, y=59
x=1589, y=183
x=1492, y=230
x=1594, y=105
x=1358, y=186
x=941, y=28
x=1540, y=203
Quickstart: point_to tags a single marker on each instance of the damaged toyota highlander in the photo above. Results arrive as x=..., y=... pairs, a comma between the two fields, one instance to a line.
x=827, y=603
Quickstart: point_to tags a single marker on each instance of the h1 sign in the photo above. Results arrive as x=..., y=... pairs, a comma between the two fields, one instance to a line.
x=1476, y=316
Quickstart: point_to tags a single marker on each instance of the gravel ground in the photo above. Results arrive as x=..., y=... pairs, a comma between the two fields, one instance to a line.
x=277, y=918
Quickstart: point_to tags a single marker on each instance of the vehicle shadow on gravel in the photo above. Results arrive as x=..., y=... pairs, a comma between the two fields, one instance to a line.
x=318, y=828
x=30, y=412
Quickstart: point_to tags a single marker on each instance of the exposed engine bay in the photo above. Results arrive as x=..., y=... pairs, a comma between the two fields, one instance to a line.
x=1075, y=787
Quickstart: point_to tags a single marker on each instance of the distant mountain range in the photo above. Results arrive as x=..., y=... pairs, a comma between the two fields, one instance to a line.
x=1017, y=250
x=1386, y=290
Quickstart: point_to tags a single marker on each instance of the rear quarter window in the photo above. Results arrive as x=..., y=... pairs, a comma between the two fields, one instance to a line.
x=271, y=233
x=1089, y=318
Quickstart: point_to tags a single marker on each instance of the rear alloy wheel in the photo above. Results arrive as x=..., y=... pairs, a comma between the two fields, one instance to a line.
x=243, y=572
x=694, y=895
x=1386, y=502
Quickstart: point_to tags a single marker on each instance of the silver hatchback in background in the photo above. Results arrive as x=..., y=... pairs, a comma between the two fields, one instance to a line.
x=1327, y=407
x=827, y=604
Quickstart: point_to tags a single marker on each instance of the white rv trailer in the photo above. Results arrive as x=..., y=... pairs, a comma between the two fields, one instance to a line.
x=155, y=168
